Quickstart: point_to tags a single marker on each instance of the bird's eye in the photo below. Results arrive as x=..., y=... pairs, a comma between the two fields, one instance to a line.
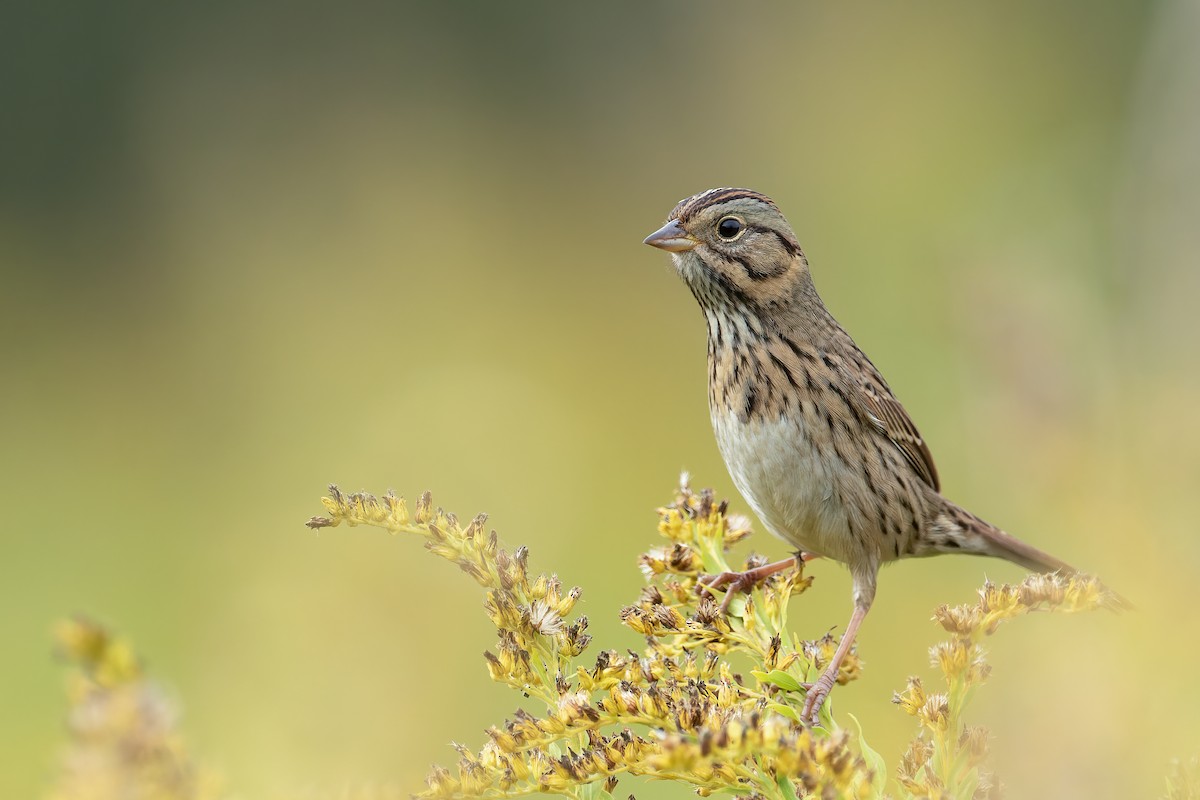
x=729, y=228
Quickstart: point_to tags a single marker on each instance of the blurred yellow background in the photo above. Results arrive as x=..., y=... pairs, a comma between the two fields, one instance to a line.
x=247, y=251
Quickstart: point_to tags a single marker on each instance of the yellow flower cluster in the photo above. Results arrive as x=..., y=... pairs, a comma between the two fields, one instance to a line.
x=713, y=744
x=701, y=531
x=536, y=642
x=676, y=711
x=948, y=763
x=123, y=737
x=1049, y=592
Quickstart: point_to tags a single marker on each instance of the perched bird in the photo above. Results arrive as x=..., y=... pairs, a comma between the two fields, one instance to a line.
x=813, y=437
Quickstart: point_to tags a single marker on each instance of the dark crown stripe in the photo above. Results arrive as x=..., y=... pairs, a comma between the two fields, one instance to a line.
x=693, y=205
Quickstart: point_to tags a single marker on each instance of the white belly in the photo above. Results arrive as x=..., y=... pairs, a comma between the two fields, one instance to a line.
x=782, y=474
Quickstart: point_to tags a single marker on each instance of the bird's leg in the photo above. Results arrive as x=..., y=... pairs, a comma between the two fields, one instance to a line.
x=735, y=582
x=818, y=691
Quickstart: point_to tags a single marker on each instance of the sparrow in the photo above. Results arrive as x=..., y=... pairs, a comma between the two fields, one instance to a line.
x=813, y=437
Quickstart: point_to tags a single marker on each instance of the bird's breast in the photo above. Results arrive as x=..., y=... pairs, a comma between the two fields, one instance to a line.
x=781, y=466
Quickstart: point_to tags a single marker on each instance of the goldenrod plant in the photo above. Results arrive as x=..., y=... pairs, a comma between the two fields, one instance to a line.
x=124, y=742
x=678, y=710
x=946, y=757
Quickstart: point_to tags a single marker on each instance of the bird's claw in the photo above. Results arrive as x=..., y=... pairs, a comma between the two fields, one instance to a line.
x=816, y=694
x=737, y=582
x=733, y=583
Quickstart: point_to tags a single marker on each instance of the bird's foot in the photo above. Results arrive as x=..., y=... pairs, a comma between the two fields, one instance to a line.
x=817, y=693
x=735, y=583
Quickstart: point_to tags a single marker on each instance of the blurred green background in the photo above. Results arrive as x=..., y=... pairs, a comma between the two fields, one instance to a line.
x=249, y=250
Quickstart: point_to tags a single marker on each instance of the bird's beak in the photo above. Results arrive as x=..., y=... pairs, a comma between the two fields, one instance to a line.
x=672, y=238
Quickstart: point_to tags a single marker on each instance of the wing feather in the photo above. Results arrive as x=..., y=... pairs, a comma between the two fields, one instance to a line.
x=890, y=418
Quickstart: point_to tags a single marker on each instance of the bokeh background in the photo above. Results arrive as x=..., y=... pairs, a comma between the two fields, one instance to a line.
x=249, y=249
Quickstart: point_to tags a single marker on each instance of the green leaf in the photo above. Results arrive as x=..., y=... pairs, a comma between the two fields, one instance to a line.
x=778, y=677
x=970, y=783
x=737, y=606
x=787, y=711
x=786, y=788
x=874, y=761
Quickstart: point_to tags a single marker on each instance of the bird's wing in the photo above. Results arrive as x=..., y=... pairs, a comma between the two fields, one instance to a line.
x=865, y=393
x=890, y=418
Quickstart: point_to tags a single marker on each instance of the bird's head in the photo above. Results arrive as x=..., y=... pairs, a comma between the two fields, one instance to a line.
x=733, y=246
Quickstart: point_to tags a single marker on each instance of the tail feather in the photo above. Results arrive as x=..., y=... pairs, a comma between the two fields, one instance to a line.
x=956, y=530
x=978, y=536
x=1013, y=549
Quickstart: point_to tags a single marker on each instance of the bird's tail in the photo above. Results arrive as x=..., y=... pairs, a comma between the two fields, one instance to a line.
x=956, y=530
x=965, y=532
